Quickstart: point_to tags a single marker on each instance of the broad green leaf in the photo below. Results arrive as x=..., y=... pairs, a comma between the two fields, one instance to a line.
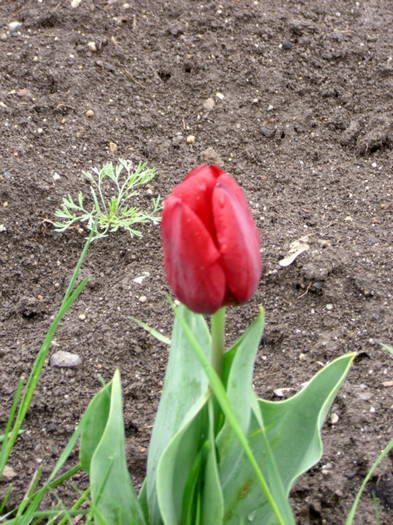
x=111, y=488
x=180, y=465
x=239, y=392
x=292, y=428
x=222, y=399
x=213, y=501
x=142, y=497
x=273, y=476
x=185, y=384
x=238, y=385
x=93, y=424
x=229, y=355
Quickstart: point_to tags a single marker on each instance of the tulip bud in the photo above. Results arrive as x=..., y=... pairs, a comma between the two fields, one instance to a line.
x=210, y=242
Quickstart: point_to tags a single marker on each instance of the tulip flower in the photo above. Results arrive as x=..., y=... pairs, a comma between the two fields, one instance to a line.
x=210, y=242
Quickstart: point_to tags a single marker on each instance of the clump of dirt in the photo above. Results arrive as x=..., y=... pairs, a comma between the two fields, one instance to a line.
x=294, y=100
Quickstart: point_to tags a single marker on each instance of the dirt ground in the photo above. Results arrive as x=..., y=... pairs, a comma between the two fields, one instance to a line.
x=294, y=99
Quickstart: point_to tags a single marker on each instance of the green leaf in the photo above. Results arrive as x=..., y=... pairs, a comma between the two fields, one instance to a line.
x=212, y=501
x=180, y=466
x=63, y=215
x=93, y=424
x=238, y=372
x=238, y=384
x=70, y=202
x=276, y=485
x=103, y=451
x=239, y=390
x=185, y=384
x=352, y=512
x=142, y=497
x=388, y=348
x=221, y=397
x=80, y=200
x=292, y=428
x=153, y=332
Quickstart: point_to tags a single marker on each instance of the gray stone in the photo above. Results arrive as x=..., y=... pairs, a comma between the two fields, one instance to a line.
x=65, y=359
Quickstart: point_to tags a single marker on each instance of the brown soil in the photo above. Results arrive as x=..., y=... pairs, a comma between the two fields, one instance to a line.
x=304, y=124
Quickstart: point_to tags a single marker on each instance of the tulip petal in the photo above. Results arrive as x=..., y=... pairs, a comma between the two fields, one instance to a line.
x=196, y=191
x=192, y=261
x=238, y=238
x=212, y=170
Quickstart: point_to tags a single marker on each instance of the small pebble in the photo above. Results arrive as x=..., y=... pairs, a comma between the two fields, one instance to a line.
x=89, y=113
x=82, y=317
x=177, y=139
x=190, y=139
x=142, y=298
x=113, y=147
x=65, y=359
x=326, y=468
x=329, y=307
x=220, y=96
x=24, y=93
x=209, y=104
x=281, y=392
x=140, y=279
x=119, y=20
x=56, y=177
x=14, y=26
x=8, y=473
x=334, y=418
x=268, y=133
x=92, y=46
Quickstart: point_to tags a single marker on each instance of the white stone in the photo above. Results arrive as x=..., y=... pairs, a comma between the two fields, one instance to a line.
x=64, y=359
x=9, y=473
x=14, y=26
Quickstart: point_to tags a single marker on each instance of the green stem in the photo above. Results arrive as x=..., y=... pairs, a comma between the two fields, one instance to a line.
x=218, y=340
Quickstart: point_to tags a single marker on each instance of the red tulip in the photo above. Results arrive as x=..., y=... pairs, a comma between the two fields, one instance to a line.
x=210, y=242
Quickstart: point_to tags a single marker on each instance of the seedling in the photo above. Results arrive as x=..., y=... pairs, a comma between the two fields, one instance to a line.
x=112, y=189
